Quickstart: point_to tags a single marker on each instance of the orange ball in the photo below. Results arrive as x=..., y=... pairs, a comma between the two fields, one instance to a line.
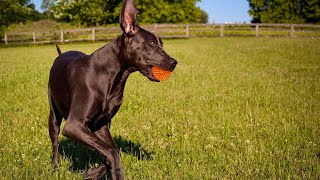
x=160, y=74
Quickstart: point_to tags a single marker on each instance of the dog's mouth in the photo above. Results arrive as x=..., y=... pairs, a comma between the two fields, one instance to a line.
x=150, y=75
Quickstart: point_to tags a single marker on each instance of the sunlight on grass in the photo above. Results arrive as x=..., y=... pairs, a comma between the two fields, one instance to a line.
x=241, y=108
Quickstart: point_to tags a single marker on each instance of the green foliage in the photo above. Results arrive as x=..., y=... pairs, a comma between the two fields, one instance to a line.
x=86, y=12
x=204, y=17
x=100, y=12
x=46, y=7
x=169, y=11
x=16, y=11
x=284, y=11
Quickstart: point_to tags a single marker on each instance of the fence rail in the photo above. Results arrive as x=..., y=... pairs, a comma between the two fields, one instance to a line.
x=167, y=31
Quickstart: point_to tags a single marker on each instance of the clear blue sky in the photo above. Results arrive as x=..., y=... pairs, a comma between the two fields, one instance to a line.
x=220, y=11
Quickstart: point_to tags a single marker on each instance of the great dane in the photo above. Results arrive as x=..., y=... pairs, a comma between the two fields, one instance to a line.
x=87, y=90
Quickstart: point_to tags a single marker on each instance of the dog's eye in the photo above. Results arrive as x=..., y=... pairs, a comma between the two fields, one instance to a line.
x=152, y=43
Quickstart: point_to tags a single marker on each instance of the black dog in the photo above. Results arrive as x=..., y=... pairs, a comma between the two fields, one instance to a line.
x=87, y=90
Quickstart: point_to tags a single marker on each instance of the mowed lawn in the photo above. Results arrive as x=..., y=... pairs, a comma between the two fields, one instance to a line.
x=234, y=108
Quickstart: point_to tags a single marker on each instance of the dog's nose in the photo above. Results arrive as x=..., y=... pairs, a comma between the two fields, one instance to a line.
x=173, y=63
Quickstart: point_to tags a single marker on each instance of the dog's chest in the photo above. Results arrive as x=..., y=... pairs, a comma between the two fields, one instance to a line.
x=114, y=95
x=105, y=115
x=107, y=96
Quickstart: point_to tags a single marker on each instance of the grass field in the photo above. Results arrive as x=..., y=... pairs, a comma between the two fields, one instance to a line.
x=235, y=108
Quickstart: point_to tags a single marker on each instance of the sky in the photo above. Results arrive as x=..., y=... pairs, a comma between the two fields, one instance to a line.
x=222, y=11
x=219, y=11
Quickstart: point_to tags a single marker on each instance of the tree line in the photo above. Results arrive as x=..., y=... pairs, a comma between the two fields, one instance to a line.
x=101, y=12
x=17, y=11
x=285, y=11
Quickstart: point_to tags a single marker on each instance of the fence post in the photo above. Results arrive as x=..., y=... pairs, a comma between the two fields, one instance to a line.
x=292, y=31
x=221, y=30
x=187, y=31
x=34, y=37
x=93, y=34
x=5, y=39
x=61, y=36
x=257, y=30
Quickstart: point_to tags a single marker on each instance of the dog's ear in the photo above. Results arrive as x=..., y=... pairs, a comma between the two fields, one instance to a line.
x=128, y=18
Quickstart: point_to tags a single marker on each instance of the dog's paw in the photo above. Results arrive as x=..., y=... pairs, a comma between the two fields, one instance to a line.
x=96, y=173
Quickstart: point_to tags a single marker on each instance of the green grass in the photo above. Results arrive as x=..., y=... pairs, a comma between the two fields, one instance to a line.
x=40, y=26
x=235, y=108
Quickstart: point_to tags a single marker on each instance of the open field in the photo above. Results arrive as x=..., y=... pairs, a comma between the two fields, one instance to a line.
x=235, y=108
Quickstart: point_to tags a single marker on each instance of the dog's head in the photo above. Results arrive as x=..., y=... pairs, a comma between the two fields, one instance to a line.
x=144, y=49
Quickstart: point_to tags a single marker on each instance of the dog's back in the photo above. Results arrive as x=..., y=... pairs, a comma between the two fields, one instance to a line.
x=59, y=92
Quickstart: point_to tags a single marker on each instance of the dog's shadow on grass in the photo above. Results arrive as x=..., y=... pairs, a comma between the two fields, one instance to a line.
x=83, y=158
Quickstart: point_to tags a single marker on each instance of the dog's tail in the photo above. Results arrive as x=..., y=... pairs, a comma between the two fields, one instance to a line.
x=58, y=49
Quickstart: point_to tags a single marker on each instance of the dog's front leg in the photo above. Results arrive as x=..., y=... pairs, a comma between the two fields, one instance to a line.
x=97, y=172
x=105, y=135
x=75, y=130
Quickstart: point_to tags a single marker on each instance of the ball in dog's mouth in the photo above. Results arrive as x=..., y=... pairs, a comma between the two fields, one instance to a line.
x=159, y=73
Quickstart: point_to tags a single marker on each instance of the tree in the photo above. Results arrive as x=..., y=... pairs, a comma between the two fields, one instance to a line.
x=91, y=12
x=16, y=11
x=204, y=17
x=169, y=11
x=86, y=12
x=46, y=6
x=285, y=11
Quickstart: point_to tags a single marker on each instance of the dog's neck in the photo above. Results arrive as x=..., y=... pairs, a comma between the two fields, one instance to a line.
x=114, y=59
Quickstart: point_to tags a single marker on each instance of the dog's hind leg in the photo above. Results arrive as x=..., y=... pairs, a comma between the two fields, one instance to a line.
x=54, y=129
